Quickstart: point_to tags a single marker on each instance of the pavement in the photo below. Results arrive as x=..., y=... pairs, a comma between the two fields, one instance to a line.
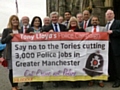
x=5, y=84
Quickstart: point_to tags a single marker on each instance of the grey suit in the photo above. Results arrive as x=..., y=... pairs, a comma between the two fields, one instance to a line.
x=101, y=29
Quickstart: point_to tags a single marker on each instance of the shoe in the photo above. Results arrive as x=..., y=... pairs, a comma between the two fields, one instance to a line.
x=73, y=85
x=90, y=83
x=116, y=84
x=26, y=84
x=17, y=88
x=101, y=84
x=55, y=84
x=78, y=84
x=39, y=87
x=14, y=88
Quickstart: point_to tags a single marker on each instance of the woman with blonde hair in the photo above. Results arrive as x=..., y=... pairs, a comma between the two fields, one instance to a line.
x=73, y=25
x=7, y=35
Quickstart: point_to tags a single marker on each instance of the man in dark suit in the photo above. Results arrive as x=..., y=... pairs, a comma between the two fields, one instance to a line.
x=46, y=22
x=113, y=27
x=25, y=24
x=67, y=16
x=24, y=28
x=86, y=19
x=54, y=26
x=79, y=17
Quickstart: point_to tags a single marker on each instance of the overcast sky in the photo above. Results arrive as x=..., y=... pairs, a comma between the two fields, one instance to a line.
x=28, y=8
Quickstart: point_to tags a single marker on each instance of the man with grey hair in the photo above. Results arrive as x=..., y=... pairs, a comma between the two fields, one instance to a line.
x=54, y=26
x=46, y=22
x=79, y=17
x=25, y=24
x=61, y=19
x=24, y=27
x=113, y=27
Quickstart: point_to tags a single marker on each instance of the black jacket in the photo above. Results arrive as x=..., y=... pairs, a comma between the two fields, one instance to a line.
x=115, y=37
x=6, y=39
x=82, y=24
x=49, y=27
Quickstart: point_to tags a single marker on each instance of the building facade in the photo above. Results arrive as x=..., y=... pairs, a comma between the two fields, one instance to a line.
x=99, y=7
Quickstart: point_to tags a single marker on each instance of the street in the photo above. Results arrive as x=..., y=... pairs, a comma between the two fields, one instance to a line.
x=5, y=85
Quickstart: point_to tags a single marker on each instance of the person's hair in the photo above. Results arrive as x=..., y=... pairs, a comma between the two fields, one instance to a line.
x=61, y=17
x=33, y=20
x=9, y=25
x=78, y=14
x=46, y=17
x=88, y=9
x=54, y=13
x=109, y=10
x=73, y=19
x=95, y=17
x=68, y=12
x=25, y=17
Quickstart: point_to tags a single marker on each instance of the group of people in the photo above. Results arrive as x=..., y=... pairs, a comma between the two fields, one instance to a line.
x=83, y=22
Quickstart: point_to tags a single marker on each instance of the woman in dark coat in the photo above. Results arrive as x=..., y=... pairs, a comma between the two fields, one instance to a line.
x=7, y=35
x=36, y=26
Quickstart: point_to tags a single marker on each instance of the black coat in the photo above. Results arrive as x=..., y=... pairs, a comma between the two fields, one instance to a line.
x=50, y=27
x=115, y=37
x=6, y=39
x=82, y=24
x=21, y=30
x=31, y=30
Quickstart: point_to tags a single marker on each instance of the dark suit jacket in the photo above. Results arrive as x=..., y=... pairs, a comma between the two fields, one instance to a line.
x=49, y=27
x=115, y=37
x=43, y=27
x=6, y=39
x=82, y=24
x=21, y=30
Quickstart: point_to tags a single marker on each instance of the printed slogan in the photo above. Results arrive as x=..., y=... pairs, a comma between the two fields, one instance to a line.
x=58, y=56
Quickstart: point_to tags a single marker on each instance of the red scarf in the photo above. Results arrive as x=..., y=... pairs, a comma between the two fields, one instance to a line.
x=73, y=28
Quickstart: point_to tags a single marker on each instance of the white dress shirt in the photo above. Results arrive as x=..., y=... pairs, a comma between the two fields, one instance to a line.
x=97, y=28
x=24, y=28
x=57, y=26
x=86, y=23
x=111, y=22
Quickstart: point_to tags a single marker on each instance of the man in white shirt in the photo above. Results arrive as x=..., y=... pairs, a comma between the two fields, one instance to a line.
x=95, y=26
x=113, y=27
x=25, y=24
x=86, y=19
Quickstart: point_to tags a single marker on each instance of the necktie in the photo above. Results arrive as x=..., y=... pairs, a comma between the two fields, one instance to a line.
x=94, y=29
x=85, y=24
x=67, y=23
x=107, y=27
x=25, y=29
x=56, y=29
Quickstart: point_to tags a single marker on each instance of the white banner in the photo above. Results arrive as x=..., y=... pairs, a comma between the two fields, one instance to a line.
x=60, y=60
